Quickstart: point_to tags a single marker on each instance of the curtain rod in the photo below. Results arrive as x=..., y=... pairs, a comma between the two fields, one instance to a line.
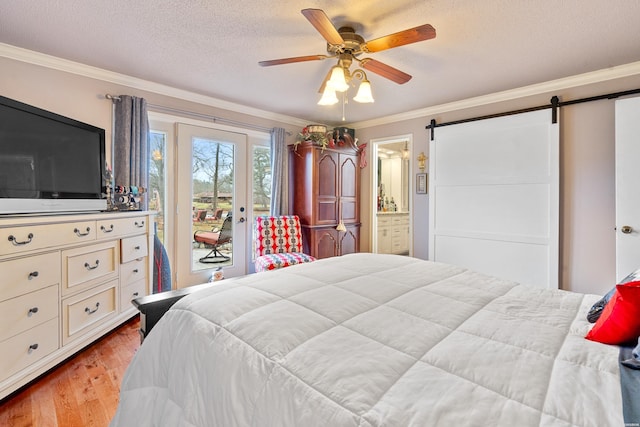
x=555, y=103
x=208, y=117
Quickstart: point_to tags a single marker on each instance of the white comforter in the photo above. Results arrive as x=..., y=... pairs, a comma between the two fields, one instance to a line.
x=372, y=340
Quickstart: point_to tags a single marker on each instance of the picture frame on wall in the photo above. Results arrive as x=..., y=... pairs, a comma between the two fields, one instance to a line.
x=422, y=183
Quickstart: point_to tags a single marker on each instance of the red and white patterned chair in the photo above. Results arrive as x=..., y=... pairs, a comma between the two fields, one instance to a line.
x=278, y=241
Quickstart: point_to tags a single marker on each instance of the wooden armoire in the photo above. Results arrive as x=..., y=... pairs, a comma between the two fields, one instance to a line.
x=324, y=189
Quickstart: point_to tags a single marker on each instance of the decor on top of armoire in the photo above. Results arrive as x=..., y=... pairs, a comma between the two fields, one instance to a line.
x=317, y=135
x=325, y=194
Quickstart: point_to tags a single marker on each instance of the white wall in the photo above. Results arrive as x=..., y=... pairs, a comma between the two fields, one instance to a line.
x=587, y=208
x=82, y=98
x=419, y=206
x=420, y=202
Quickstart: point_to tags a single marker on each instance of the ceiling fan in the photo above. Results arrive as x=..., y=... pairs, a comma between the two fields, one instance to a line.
x=345, y=45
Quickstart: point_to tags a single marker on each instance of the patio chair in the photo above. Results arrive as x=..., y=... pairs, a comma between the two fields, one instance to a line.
x=200, y=215
x=216, y=239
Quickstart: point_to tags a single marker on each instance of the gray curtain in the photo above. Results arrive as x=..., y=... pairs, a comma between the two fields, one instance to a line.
x=131, y=144
x=279, y=173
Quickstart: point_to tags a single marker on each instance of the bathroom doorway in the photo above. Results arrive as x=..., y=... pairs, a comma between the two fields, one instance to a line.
x=392, y=189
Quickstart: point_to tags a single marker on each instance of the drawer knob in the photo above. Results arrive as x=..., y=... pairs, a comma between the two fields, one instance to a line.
x=32, y=311
x=139, y=224
x=80, y=234
x=15, y=242
x=135, y=294
x=32, y=275
x=135, y=270
x=90, y=311
x=32, y=348
x=105, y=229
x=137, y=248
x=92, y=267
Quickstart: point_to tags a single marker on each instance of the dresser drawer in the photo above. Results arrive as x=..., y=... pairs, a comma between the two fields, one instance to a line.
x=27, y=348
x=384, y=221
x=133, y=248
x=17, y=240
x=81, y=312
x=24, y=312
x=23, y=275
x=133, y=271
x=118, y=227
x=89, y=265
x=131, y=291
x=401, y=220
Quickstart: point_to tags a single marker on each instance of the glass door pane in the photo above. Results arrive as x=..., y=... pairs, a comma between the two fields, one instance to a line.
x=211, y=203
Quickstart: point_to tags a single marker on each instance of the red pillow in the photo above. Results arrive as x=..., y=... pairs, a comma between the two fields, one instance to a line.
x=620, y=319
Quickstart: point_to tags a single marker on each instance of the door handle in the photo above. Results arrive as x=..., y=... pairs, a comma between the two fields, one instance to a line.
x=626, y=229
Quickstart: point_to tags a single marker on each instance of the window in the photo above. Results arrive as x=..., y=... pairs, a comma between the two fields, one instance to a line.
x=158, y=179
x=261, y=196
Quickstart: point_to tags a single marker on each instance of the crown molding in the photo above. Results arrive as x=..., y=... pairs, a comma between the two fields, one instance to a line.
x=621, y=71
x=52, y=62
x=55, y=63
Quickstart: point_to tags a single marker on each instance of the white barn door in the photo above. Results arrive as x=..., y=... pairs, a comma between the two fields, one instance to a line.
x=494, y=189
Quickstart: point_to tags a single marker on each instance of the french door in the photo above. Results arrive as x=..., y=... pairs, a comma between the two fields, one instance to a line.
x=211, y=185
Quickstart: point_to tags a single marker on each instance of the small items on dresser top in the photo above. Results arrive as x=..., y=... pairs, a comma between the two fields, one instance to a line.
x=126, y=197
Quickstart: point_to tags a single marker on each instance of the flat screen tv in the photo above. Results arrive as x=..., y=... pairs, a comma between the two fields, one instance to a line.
x=48, y=162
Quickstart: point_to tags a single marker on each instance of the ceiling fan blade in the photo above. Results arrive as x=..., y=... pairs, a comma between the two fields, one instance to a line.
x=321, y=22
x=412, y=35
x=385, y=70
x=292, y=60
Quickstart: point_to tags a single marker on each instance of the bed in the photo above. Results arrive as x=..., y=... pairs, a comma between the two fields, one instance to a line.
x=373, y=340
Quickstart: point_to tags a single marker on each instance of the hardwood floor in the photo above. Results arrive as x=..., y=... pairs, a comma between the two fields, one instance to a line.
x=81, y=392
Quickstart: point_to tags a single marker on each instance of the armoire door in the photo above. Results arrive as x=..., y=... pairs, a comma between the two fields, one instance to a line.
x=349, y=240
x=348, y=178
x=324, y=242
x=327, y=188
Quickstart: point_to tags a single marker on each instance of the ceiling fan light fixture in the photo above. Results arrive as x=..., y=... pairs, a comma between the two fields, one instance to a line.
x=328, y=96
x=345, y=45
x=337, y=81
x=364, y=94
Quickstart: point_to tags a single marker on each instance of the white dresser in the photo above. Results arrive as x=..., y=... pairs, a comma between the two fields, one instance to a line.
x=65, y=281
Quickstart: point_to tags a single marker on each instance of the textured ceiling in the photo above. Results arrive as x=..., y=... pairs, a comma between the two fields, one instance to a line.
x=213, y=47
